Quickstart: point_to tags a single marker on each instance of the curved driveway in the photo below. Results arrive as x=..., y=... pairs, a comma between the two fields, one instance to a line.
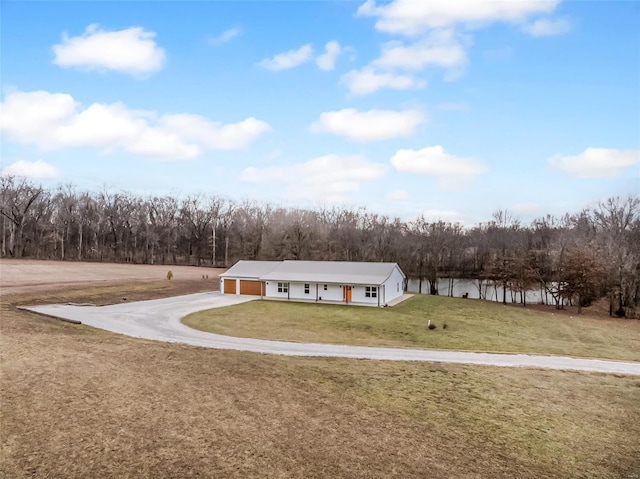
x=160, y=320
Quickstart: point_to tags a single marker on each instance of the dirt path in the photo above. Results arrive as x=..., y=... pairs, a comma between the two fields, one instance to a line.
x=160, y=320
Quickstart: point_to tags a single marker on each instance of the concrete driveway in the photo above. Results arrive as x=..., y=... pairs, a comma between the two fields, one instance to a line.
x=159, y=320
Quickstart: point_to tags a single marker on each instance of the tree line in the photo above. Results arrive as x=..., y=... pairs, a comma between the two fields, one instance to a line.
x=577, y=258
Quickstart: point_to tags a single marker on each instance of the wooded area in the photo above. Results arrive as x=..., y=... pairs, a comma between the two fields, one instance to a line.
x=579, y=257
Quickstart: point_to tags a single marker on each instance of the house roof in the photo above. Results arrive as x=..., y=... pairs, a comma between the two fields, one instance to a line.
x=250, y=269
x=314, y=271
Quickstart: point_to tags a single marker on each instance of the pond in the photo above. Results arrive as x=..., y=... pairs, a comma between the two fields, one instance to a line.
x=477, y=289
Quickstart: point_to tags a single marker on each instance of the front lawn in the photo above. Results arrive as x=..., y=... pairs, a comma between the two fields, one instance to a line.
x=471, y=325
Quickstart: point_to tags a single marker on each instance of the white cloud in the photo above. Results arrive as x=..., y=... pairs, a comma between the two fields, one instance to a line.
x=225, y=36
x=367, y=81
x=438, y=24
x=398, y=195
x=546, y=27
x=327, y=61
x=434, y=161
x=372, y=125
x=56, y=121
x=31, y=116
x=411, y=17
x=290, y=59
x=215, y=135
x=596, y=162
x=329, y=178
x=442, y=215
x=132, y=51
x=441, y=48
x=30, y=169
x=453, y=173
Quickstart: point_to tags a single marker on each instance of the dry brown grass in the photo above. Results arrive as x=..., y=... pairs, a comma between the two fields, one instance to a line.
x=28, y=276
x=79, y=402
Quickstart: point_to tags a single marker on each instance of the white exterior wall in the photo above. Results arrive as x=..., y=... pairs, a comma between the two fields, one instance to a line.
x=333, y=292
x=358, y=295
x=393, y=286
x=271, y=290
x=297, y=291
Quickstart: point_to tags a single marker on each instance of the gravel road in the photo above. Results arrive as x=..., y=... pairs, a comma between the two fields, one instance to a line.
x=159, y=320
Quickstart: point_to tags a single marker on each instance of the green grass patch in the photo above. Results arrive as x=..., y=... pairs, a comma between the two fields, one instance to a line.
x=471, y=325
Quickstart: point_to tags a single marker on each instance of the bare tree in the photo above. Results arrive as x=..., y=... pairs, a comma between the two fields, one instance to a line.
x=615, y=219
x=163, y=214
x=197, y=217
x=584, y=276
x=17, y=196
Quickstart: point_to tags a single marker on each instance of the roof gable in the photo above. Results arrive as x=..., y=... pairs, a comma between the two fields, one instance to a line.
x=250, y=269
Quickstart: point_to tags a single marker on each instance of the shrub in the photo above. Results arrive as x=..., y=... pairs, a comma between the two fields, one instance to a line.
x=169, y=275
x=444, y=326
x=432, y=326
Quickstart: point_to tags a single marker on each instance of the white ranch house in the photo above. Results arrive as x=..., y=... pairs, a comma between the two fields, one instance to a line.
x=374, y=284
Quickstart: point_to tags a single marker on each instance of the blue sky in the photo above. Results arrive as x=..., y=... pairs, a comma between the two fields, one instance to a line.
x=448, y=109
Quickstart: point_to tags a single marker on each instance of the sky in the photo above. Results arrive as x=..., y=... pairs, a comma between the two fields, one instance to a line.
x=451, y=110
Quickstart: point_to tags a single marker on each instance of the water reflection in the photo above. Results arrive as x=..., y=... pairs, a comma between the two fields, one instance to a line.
x=477, y=289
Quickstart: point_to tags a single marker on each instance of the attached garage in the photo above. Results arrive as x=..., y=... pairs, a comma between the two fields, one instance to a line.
x=250, y=287
x=229, y=286
x=244, y=277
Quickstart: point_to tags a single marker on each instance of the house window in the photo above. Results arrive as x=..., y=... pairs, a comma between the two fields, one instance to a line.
x=398, y=287
x=371, y=292
x=306, y=289
x=283, y=287
x=325, y=287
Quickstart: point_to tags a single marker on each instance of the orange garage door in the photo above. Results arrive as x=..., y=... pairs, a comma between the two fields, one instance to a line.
x=250, y=287
x=229, y=286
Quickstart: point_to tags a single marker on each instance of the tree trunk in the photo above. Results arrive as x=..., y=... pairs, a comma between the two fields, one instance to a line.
x=4, y=236
x=213, y=246
x=226, y=251
x=80, y=241
x=579, y=304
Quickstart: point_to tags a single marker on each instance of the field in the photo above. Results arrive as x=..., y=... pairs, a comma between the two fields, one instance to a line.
x=79, y=402
x=472, y=325
x=18, y=276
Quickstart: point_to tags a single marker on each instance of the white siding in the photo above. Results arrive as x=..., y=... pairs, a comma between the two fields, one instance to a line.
x=393, y=286
x=358, y=295
x=297, y=291
x=333, y=292
x=271, y=290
